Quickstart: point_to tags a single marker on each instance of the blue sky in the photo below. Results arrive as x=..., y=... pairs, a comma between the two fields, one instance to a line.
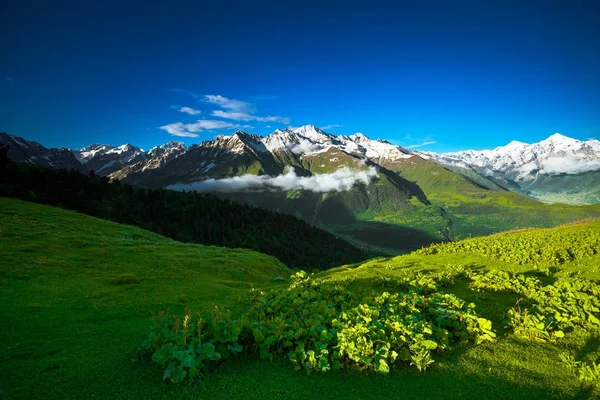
x=457, y=74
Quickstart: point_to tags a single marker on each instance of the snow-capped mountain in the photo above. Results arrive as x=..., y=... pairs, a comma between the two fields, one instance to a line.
x=557, y=169
x=34, y=153
x=105, y=159
x=156, y=157
x=305, y=148
x=308, y=140
x=555, y=155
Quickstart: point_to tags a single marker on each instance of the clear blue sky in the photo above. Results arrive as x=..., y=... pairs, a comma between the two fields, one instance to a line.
x=463, y=74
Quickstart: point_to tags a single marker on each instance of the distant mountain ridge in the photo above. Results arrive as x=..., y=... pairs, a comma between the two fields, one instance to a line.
x=389, y=198
x=558, y=168
x=34, y=153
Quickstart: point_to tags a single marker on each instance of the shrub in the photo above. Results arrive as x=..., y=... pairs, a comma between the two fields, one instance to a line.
x=320, y=327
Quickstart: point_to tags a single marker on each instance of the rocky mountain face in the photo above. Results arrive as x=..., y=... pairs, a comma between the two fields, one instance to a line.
x=34, y=153
x=156, y=157
x=307, y=149
x=105, y=159
x=558, y=168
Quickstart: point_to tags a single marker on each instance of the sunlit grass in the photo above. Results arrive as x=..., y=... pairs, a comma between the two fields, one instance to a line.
x=77, y=294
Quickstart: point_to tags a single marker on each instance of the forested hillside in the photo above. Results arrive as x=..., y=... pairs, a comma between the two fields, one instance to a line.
x=186, y=217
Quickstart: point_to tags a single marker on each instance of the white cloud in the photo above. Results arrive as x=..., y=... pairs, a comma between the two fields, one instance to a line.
x=414, y=146
x=178, y=129
x=568, y=165
x=341, y=180
x=305, y=146
x=240, y=116
x=332, y=126
x=232, y=109
x=229, y=104
x=190, y=130
x=189, y=110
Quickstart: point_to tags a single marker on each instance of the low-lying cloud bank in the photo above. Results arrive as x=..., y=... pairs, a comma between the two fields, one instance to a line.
x=568, y=165
x=341, y=180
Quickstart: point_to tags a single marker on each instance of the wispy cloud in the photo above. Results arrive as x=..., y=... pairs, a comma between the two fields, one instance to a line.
x=241, y=116
x=304, y=146
x=239, y=110
x=416, y=146
x=231, y=109
x=332, y=126
x=189, y=110
x=192, y=129
x=10, y=79
x=229, y=104
x=343, y=179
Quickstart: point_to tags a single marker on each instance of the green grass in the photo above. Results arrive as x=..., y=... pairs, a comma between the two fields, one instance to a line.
x=77, y=294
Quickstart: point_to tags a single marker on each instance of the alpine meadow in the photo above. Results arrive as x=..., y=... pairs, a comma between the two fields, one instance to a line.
x=332, y=200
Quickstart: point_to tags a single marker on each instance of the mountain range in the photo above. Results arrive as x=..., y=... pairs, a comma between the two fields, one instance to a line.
x=557, y=169
x=370, y=192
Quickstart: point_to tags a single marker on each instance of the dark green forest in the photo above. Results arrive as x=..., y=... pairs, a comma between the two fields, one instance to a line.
x=186, y=217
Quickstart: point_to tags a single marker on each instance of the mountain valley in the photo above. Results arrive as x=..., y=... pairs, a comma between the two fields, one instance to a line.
x=394, y=200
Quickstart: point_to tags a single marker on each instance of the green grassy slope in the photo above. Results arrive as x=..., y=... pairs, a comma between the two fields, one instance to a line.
x=77, y=292
x=473, y=210
x=73, y=315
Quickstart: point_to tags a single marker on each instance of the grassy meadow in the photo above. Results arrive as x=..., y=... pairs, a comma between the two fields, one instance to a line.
x=78, y=294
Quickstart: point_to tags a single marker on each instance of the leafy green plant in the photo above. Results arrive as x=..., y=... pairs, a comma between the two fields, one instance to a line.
x=587, y=372
x=553, y=309
x=540, y=249
x=421, y=358
x=185, y=347
x=321, y=327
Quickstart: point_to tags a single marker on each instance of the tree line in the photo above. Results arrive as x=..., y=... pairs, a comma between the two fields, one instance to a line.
x=183, y=216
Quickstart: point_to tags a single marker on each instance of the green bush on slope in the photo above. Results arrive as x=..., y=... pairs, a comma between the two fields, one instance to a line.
x=321, y=327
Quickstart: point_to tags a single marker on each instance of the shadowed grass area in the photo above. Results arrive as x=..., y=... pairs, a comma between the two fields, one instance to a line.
x=78, y=293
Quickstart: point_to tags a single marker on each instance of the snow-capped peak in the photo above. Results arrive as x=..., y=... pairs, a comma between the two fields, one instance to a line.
x=358, y=137
x=124, y=148
x=169, y=147
x=525, y=161
x=88, y=152
x=559, y=138
x=515, y=144
x=310, y=132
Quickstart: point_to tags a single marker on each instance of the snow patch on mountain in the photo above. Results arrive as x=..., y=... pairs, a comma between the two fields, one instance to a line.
x=558, y=154
x=308, y=140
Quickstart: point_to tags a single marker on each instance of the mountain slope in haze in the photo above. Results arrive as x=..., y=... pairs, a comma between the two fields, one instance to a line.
x=34, y=153
x=557, y=169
